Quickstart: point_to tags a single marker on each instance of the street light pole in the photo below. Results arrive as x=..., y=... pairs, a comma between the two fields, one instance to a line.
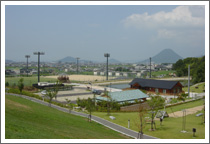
x=27, y=56
x=107, y=55
x=38, y=53
x=150, y=68
x=77, y=64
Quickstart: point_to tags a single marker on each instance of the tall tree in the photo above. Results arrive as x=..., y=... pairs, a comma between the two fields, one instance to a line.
x=141, y=118
x=20, y=85
x=51, y=93
x=70, y=105
x=56, y=88
x=155, y=104
x=90, y=106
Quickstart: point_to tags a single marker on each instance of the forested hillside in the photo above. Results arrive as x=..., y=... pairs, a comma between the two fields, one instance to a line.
x=197, y=68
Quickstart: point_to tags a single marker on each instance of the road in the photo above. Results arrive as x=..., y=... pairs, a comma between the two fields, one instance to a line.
x=104, y=122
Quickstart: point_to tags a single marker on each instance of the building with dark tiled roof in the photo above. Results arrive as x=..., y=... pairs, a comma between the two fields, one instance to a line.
x=157, y=86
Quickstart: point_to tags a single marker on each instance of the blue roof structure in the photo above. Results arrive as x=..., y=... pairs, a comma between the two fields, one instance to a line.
x=122, y=96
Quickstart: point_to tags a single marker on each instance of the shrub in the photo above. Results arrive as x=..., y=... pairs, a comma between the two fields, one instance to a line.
x=184, y=95
x=12, y=90
x=20, y=85
x=14, y=85
x=181, y=98
x=7, y=84
x=64, y=79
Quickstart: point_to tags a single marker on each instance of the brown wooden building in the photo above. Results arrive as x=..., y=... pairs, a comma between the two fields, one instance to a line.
x=157, y=86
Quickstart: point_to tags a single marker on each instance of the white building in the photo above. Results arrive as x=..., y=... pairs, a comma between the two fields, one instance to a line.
x=95, y=73
x=102, y=73
x=118, y=74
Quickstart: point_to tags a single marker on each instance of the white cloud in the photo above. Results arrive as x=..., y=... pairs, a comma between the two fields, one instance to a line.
x=166, y=34
x=181, y=16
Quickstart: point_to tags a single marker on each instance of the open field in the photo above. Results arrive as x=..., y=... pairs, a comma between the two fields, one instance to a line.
x=91, y=78
x=25, y=119
x=28, y=81
x=171, y=127
x=162, y=72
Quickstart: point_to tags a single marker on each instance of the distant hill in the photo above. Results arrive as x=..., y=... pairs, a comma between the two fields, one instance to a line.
x=72, y=60
x=8, y=61
x=114, y=61
x=165, y=56
x=68, y=59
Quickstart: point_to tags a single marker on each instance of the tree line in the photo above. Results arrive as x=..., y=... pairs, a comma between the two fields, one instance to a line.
x=197, y=68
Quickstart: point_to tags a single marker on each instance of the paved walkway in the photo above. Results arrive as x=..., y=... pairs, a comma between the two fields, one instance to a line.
x=188, y=111
x=104, y=122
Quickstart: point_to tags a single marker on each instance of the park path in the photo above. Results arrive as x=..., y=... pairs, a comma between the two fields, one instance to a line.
x=104, y=122
x=188, y=111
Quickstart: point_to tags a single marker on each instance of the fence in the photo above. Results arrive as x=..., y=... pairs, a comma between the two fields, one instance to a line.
x=134, y=108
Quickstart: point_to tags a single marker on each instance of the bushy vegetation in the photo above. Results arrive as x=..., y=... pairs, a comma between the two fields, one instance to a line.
x=197, y=68
x=64, y=79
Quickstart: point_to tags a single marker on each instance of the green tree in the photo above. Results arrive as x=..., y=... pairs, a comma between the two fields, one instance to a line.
x=142, y=123
x=156, y=103
x=51, y=93
x=108, y=102
x=197, y=68
x=90, y=107
x=7, y=84
x=56, y=88
x=70, y=105
x=20, y=85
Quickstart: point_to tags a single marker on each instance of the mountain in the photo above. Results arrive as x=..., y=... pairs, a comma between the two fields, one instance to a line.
x=8, y=61
x=114, y=61
x=68, y=59
x=72, y=60
x=165, y=56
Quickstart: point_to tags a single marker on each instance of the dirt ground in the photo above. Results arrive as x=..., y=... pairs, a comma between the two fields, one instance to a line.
x=83, y=77
x=188, y=111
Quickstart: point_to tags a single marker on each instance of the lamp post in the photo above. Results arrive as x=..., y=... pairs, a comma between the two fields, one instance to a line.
x=188, y=81
x=150, y=68
x=77, y=64
x=38, y=53
x=27, y=56
x=107, y=55
x=184, y=121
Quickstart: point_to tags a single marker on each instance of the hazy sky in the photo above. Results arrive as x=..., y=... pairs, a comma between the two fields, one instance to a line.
x=126, y=32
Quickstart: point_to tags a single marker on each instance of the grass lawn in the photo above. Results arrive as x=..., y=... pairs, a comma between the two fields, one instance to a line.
x=157, y=73
x=200, y=88
x=25, y=119
x=28, y=81
x=171, y=126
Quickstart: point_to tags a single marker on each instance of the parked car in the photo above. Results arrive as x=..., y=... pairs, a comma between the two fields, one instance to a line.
x=98, y=92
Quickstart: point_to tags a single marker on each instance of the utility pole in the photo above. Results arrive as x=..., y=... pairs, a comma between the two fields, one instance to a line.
x=150, y=68
x=188, y=80
x=107, y=55
x=77, y=64
x=38, y=53
x=27, y=56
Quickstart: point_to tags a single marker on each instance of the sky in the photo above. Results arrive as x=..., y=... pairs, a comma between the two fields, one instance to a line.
x=127, y=32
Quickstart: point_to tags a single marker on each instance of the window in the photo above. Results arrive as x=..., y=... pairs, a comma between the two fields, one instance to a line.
x=164, y=91
x=156, y=90
x=178, y=90
x=174, y=90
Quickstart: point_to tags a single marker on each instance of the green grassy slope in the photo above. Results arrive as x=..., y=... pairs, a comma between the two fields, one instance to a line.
x=199, y=89
x=28, y=120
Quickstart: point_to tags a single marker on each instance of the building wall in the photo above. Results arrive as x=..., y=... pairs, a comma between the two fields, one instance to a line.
x=176, y=89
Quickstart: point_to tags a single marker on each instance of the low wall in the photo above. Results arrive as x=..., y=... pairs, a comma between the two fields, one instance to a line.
x=134, y=108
